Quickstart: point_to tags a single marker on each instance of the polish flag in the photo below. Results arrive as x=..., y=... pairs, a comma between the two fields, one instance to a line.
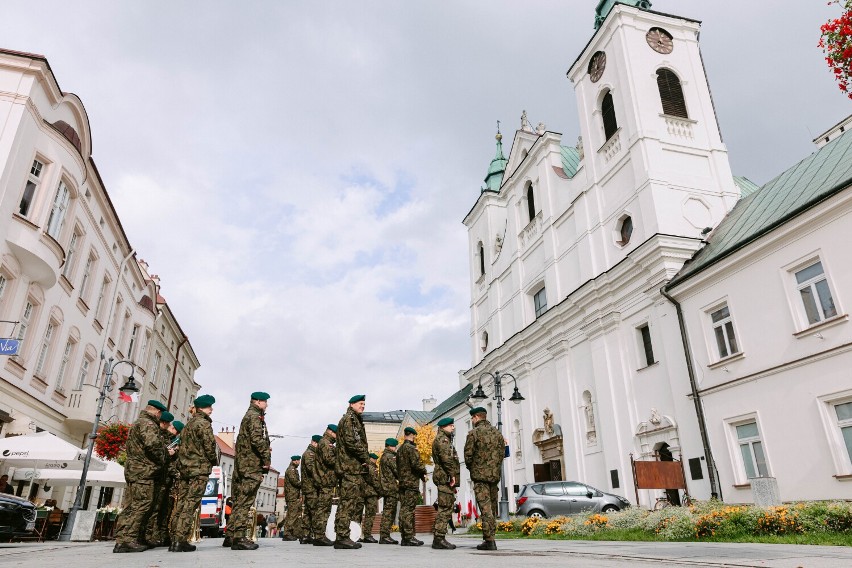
x=469, y=509
x=124, y=397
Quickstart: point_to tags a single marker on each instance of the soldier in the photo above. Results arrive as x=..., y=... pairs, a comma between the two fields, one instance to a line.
x=446, y=478
x=292, y=529
x=146, y=457
x=197, y=456
x=484, y=450
x=155, y=533
x=353, y=455
x=389, y=481
x=325, y=480
x=309, y=489
x=370, y=490
x=411, y=473
x=174, y=473
x=252, y=459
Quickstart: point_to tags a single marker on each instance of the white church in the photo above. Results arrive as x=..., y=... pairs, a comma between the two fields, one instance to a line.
x=653, y=306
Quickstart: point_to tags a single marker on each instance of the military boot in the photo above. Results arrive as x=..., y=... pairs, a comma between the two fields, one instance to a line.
x=487, y=545
x=172, y=547
x=346, y=544
x=440, y=543
x=226, y=542
x=184, y=547
x=368, y=539
x=323, y=541
x=244, y=544
x=154, y=543
x=306, y=540
x=387, y=540
x=131, y=546
x=411, y=542
x=288, y=537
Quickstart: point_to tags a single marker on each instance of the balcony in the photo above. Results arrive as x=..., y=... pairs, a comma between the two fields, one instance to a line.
x=680, y=128
x=530, y=232
x=82, y=405
x=611, y=147
x=39, y=255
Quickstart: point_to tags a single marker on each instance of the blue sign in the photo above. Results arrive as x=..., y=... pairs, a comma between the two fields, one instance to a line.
x=9, y=346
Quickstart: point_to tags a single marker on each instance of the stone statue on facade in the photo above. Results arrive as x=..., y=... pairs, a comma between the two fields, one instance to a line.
x=655, y=418
x=579, y=148
x=588, y=409
x=548, y=422
x=525, y=122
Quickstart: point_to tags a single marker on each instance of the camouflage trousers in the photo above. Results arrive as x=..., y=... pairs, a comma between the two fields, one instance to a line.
x=133, y=520
x=322, y=510
x=446, y=501
x=293, y=520
x=310, y=507
x=486, y=500
x=407, y=502
x=158, y=522
x=243, y=493
x=350, y=505
x=389, y=504
x=187, y=507
x=371, y=507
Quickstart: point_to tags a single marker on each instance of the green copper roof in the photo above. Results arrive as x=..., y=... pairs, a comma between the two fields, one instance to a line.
x=605, y=6
x=451, y=402
x=819, y=176
x=570, y=160
x=498, y=167
x=747, y=187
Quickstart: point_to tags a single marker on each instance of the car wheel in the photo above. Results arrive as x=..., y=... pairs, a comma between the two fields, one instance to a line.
x=537, y=514
x=609, y=509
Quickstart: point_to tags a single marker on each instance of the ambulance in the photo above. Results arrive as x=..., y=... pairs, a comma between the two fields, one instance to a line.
x=213, y=505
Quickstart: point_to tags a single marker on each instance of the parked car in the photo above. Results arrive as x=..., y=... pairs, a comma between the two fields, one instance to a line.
x=550, y=498
x=17, y=517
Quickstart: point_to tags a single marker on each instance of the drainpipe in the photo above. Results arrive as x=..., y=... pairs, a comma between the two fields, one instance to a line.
x=174, y=370
x=715, y=490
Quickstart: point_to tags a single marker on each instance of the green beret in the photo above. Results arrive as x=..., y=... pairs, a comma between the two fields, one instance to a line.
x=332, y=427
x=478, y=410
x=295, y=458
x=374, y=456
x=409, y=430
x=205, y=401
x=357, y=398
x=157, y=404
x=316, y=438
x=392, y=442
x=178, y=425
x=166, y=416
x=258, y=395
x=445, y=421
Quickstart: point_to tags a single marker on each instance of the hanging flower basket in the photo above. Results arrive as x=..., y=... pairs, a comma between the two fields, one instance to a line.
x=110, y=440
x=836, y=43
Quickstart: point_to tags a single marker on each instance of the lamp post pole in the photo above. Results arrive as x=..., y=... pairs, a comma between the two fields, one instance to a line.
x=516, y=397
x=129, y=386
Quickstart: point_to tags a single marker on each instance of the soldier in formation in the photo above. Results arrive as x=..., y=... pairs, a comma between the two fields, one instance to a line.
x=252, y=460
x=325, y=481
x=389, y=482
x=411, y=472
x=174, y=489
x=484, y=451
x=293, y=529
x=353, y=459
x=157, y=531
x=371, y=489
x=446, y=478
x=309, y=489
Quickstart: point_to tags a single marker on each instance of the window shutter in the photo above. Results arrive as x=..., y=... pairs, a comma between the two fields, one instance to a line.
x=671, y=94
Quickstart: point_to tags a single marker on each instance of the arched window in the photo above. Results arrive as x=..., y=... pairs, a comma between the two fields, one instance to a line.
x=530, y=202
x=608, y=113
x=671, y=94
x=481, y=251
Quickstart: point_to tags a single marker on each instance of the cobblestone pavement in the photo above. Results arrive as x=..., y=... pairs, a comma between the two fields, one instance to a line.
x=580, y=554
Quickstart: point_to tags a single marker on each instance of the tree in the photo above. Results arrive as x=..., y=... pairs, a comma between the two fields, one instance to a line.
x=423, y=440
x=836, y=44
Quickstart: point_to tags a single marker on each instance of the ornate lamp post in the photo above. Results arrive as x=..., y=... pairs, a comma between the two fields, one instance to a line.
x=129, y=387
x=516, y=397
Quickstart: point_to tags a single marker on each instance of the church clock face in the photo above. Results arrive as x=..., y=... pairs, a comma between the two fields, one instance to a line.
x=660, y=40
x=597, y=66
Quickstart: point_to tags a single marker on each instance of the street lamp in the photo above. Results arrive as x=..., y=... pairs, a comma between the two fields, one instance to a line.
x=129, y=387
x=516, y=397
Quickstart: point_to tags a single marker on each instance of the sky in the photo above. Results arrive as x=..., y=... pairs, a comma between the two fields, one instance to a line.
x=296, y=172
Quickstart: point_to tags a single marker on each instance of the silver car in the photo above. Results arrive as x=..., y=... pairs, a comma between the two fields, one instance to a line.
x=551, y=498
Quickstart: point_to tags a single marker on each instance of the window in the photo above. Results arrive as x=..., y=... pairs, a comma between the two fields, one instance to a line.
x=553, y=489
x=3, y=283
x=843, y=412
x=155, y=367
x=30, y=189
x=610, y=123
x=133, y=335
x=63, y=365
x=625, y=230
x=481, y=251
x=540, y=302
x=124, y=325
x=531, y=202
x=671, y=94
x=83, y=375
x=647, y=347
x=87, y=273
x=45, y=349
x=24, y=324
x=101, y=295
x=575, y=489
x=118, y=322
x=815, y=293
x=723, y=330
x=751, y=448
x=58, y=210
x=166, y=378
x=69, y=256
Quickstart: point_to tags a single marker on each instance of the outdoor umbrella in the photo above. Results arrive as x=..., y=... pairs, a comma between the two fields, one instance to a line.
x=44, y=451
x=112, y=476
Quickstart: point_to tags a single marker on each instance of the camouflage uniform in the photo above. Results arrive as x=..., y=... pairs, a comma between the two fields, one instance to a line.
x=293, y=496
x=146, y=457
x=196, y=458
x=309, y=489
x=325, y=480
x=411, y=471
x=484, y=450
x=370, y=489
x=388, y=479
x=252, y=458
x=157, y=530
x=353, y=455
x=447, y=469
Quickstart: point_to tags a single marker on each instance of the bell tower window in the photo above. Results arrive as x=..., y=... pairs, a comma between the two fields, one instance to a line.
x=480, y=249
x=671, y=94
x=610, y=123
x=530, y=202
